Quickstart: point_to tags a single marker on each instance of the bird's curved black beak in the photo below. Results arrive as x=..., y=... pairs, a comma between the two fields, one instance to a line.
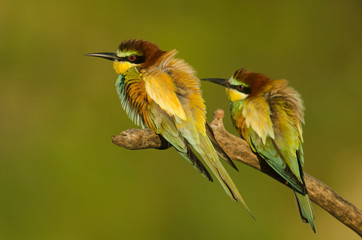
x=220, y=81
x=106, y=55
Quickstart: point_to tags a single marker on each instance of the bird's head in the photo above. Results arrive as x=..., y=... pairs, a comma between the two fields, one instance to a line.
x=242, y=84
x=131, y=53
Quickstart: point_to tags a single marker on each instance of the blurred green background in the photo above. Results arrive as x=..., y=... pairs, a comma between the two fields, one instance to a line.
x=62, y=178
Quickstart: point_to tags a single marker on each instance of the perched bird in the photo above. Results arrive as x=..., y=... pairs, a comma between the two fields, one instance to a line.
x=162, y=93
x=268, y=114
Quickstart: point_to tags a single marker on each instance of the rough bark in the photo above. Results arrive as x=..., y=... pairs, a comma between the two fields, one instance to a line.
x=237, y=149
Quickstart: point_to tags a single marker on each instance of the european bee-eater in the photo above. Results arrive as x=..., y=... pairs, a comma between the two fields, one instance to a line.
x=268, y=114
x=162, y=93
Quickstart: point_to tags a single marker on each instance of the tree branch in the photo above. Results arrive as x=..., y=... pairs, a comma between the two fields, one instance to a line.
x=237, y=149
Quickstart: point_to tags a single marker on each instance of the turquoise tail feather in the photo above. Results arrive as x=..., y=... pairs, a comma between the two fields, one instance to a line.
x=305, y=209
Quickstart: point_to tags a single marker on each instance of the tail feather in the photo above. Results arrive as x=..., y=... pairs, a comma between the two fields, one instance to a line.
x=218, y=148
x=193, y=159
x=209, y=155
x=305, y=209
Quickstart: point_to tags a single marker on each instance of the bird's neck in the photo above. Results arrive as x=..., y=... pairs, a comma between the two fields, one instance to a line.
x=236, y=108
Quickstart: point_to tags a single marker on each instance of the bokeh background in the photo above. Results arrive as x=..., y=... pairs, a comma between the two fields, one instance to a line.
x=62, y=178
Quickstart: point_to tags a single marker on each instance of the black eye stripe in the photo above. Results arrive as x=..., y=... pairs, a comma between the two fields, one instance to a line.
x=246, y=90
x=139, y=59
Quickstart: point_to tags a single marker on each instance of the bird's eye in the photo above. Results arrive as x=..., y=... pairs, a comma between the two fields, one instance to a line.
x=132, y=58
x=240, y=87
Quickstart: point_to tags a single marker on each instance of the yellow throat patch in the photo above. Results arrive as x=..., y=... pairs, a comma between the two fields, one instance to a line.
x=234, y=95
x=122, y=67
